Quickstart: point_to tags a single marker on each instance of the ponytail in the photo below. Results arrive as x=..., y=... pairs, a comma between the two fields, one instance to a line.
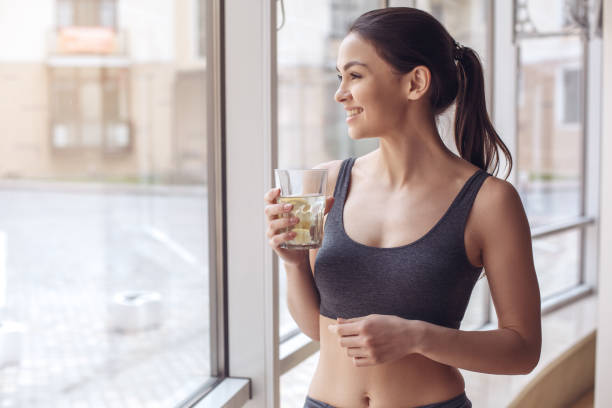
x=475, y=137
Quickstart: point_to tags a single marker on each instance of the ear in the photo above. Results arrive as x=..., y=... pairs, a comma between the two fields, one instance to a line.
x=416, y=82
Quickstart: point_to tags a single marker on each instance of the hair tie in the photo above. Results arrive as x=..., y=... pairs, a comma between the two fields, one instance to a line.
x=459, y=51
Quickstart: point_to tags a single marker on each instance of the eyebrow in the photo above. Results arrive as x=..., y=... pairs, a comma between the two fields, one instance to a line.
x=350, y=64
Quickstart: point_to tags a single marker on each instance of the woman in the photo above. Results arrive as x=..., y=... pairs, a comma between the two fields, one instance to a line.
x=412, y=227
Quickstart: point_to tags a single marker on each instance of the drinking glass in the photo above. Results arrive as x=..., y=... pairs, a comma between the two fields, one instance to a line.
x=305, y=189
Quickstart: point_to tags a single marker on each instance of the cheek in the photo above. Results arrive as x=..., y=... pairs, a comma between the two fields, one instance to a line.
x=381, y=99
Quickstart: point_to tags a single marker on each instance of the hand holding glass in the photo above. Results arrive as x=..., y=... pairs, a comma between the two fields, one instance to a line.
x=305, y=189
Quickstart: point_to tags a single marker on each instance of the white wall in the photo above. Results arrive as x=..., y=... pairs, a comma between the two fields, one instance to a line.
x=25, y=26
x=298, y=28
x=603, y=379
x=150, y=29
x=24, y=29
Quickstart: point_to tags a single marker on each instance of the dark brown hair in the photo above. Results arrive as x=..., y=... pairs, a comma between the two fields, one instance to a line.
x=406, y=37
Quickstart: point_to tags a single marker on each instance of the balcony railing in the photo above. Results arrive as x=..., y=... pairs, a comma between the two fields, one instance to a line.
x=78, y=41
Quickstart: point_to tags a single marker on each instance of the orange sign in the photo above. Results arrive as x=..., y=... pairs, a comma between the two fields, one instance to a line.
x=86, y=40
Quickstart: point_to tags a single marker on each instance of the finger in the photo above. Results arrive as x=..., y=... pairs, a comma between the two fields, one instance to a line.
x=273, y=210
x=284, y=222
x=350, y=341
x=279, y=239
x=271, y=195
x=348, y=329
x=362, y=361
x=354, y=319
x=357, y=352
x=277, y=225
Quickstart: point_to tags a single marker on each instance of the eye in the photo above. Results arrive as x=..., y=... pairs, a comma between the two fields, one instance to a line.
x=353, y=75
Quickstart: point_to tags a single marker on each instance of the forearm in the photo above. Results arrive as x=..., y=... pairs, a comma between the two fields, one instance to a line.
x=501, y=351
x=303, y=299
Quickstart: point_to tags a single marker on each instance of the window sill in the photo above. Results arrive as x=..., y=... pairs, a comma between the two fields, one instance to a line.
x=230, y=393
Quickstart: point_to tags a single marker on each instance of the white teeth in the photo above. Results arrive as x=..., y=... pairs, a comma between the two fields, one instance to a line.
x=354, y=112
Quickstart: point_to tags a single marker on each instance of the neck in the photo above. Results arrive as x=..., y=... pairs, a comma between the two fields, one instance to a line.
x=409, y=157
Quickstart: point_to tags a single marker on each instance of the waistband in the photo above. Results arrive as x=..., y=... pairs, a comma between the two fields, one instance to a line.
x=460, y=401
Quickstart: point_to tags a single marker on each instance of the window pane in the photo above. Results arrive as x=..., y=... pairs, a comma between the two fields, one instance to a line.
x=550, y=131
x=557, y=262
x=104, y=285
x=311, y=124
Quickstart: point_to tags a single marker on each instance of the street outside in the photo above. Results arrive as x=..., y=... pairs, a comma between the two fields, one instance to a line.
x=68, y=253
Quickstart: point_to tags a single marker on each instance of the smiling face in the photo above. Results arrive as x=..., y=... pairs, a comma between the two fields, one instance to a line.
x=374, y=98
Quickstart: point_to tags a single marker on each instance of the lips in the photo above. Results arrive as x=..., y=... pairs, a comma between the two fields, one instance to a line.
x=352, y=112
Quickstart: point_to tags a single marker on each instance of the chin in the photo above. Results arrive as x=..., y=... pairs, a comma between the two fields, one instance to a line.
x=357, y=135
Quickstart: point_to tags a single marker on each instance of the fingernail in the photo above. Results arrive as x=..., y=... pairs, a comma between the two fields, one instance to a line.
x=287, y=206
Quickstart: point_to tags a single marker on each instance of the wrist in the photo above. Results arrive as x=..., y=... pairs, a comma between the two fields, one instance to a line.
x=419, y=332
x=303, y=263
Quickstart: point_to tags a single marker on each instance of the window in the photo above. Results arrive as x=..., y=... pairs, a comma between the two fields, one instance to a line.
x=551, y=138
x=89, y=108
x=105, y=287
x=571, y=96
x=550, y=155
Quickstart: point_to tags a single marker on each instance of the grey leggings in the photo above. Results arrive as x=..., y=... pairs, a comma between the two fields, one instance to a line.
x=460, y=401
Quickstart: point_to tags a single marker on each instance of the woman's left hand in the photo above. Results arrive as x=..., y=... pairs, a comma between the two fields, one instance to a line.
x=377, y=339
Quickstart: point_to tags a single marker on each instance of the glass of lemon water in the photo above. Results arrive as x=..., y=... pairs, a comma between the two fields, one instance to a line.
x=305, y=189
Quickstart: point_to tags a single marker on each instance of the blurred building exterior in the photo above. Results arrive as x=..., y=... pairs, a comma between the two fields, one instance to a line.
x=103, y=90
x=88, y=99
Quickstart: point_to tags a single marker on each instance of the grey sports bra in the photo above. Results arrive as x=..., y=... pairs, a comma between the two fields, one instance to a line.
x=430, y=279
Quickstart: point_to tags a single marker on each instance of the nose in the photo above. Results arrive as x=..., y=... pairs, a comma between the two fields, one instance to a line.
x=342, y=94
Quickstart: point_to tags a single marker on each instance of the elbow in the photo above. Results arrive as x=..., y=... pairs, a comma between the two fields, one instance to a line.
x=527, y=354
x=314, y=335
x=531, y=362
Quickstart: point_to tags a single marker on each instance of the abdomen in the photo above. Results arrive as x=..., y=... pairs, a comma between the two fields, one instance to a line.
x=411, y=381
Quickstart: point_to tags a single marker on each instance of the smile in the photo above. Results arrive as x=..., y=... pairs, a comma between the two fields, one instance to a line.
x=352, y=113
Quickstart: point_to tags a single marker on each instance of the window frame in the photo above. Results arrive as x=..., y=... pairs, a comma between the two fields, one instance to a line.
x=220, y=389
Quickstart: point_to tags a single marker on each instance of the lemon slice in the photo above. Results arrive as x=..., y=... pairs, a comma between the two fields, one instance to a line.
x=302, y=236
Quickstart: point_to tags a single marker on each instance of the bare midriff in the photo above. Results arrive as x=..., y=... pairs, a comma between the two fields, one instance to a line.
x=411, y=381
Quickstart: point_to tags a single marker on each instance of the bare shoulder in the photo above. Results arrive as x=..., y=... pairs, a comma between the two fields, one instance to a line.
x=496, y=191
x=498, y=205
x=333, y=168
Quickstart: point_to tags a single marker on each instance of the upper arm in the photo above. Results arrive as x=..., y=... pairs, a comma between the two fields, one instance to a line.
x=505, y=240
x=333, y=168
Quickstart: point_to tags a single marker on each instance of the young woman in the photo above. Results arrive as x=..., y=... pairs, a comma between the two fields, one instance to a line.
x=409, y=229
